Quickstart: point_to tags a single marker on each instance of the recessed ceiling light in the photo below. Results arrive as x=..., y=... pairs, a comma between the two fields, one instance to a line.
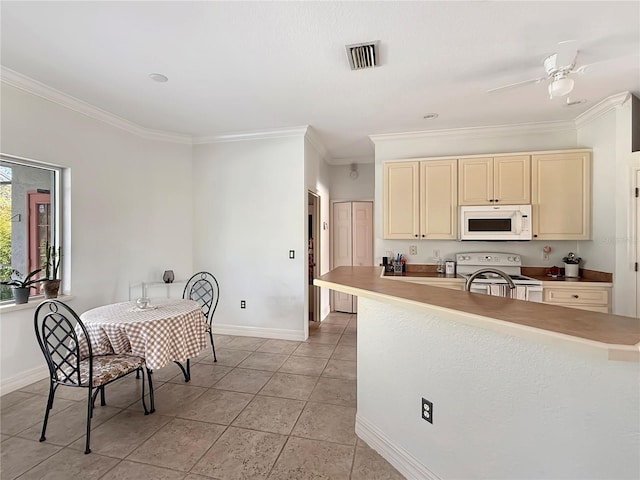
x=158, y=77
x=430, y=116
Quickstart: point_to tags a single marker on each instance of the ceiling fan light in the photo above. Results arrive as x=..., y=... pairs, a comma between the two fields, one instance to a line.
x=560, y=87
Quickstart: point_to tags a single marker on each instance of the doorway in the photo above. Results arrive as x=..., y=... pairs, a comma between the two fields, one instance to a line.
x=637, y=240
x=352, y=244
x=313, y=256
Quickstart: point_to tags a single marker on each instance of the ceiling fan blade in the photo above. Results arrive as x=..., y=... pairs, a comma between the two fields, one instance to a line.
x=514, y=85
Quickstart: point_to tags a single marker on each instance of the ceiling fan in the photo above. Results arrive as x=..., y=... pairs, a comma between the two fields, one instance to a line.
x=559, y=66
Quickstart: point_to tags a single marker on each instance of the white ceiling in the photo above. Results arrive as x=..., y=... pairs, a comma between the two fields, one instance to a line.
x=252, y=66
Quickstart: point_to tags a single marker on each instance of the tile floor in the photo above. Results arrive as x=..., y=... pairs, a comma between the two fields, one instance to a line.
x=268, y=409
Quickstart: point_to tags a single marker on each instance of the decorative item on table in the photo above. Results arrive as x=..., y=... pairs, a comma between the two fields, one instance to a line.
x=22, y=285
x=571, y=265
x=51, y=282
x=143, y=303
x=168, y=276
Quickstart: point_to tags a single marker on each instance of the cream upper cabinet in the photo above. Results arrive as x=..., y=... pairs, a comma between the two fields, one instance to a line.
x=420, y=199
x=401, y=200
x=490, y=180
x=438, y=199
x=561, y=196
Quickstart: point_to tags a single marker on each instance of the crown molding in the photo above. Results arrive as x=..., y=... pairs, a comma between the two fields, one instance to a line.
x=479, y=132
x=314, y=140
x=257, y=135
x=601, y=108
x=34, y=87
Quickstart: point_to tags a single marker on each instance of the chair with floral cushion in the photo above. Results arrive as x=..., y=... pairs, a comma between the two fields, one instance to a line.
x=60, y=332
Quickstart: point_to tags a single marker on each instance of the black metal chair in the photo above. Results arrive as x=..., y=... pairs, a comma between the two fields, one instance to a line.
x=59, y=331
x=204, y=289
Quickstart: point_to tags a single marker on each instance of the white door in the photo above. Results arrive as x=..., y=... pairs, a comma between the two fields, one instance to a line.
x=342, y=251
x=352, y=244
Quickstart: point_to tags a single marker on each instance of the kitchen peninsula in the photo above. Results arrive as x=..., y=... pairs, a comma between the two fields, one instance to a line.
x=519, y=389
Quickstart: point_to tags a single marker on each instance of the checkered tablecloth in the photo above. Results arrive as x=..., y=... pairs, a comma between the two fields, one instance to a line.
x=172, y=331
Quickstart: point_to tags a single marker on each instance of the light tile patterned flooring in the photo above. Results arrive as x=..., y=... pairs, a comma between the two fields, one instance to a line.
x=267, y=409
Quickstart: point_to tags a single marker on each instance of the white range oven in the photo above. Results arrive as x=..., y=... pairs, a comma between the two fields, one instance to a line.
x=527, y=288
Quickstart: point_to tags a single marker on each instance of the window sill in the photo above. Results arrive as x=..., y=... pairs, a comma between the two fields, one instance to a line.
x=33, y=302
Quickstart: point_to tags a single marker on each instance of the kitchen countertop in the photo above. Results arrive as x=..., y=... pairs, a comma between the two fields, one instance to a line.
x=619, y=335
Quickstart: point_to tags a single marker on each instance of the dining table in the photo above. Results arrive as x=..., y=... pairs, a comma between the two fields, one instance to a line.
x=167, y=330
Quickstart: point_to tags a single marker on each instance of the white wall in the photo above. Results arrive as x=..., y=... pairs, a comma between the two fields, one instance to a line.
x=130, y=215
x=345, y=188
x=504, y=406
x=612, y=246
x=317, y=180
x=250, y=205
x=467, y=142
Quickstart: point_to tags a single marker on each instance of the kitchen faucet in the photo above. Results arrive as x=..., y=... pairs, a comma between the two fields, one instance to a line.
x=474, y=275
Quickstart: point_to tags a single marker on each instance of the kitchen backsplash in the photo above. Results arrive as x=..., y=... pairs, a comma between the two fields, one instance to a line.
x=427, y=251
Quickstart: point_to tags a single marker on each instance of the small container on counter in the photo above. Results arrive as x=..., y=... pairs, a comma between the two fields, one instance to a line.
x=450, y=267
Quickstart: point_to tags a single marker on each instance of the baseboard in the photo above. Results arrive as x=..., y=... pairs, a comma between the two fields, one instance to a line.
x=25, y=378
x=406, y=464
x=242, y=331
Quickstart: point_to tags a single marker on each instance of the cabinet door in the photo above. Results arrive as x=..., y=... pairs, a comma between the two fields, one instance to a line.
x=561, y=196
x=401, y=198
x=475, y=181
x=438, y=199
x=512, y=180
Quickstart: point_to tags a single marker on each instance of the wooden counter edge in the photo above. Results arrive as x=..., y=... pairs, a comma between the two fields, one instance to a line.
x=615, y=352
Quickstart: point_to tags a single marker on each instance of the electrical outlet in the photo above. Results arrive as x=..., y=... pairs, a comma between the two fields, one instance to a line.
x=427, y=410
x=243, y=304
x=390, y=254
x=436, y=253
x=413, y=249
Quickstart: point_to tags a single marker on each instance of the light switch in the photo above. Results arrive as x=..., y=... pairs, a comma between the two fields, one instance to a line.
x=292, y=254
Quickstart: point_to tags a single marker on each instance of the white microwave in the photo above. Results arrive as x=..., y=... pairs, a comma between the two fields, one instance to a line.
x=495, y=222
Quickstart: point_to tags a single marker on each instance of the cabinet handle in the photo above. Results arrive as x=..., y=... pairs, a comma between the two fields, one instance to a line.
x=496, y=200
x=423, y=235
x=416, y=235
x=576, y=296
x=491, y=199
x=535, y=235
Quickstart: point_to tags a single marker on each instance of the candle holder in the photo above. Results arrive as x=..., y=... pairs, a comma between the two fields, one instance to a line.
x=168, y=276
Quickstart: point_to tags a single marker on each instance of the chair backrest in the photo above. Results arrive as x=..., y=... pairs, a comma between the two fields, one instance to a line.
x=204, y=289
x=55, y=325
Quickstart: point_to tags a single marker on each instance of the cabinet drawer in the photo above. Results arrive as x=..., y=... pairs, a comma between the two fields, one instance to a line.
x=568, y=296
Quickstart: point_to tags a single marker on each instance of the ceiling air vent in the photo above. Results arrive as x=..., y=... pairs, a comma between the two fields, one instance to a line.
x=362, y=55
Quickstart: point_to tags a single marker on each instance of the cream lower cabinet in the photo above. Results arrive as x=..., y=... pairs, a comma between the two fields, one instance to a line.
x=596, y=298
x=502, y=180
x=420, y=200
x=561, y=196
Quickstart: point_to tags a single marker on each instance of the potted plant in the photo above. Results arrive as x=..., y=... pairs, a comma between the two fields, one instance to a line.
x=22, y=285
x=51, y=282
x=571, y=265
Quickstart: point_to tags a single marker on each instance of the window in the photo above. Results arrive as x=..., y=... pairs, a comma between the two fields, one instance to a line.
x=29, y=217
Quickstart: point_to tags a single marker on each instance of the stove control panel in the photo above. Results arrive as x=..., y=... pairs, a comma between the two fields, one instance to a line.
x=488, y=259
